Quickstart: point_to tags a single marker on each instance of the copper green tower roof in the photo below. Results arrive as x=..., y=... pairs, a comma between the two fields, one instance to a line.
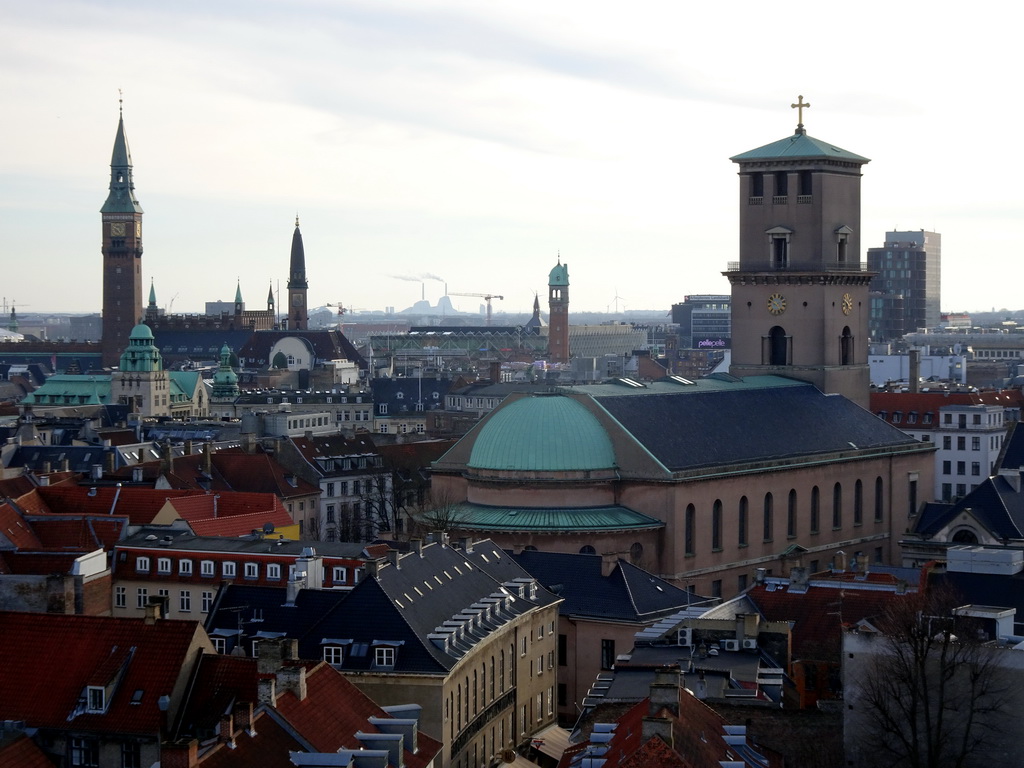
x=121, y=198
x=799, y=146
x=544, y=433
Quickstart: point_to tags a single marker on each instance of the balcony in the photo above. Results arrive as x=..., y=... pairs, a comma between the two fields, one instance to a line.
x=767, y=265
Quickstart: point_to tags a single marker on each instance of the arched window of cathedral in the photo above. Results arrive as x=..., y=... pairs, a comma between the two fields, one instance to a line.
x=587, y=550
x=965, y=537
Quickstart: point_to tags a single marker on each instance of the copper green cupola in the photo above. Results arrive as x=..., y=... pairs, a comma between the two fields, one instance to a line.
x=225, y=380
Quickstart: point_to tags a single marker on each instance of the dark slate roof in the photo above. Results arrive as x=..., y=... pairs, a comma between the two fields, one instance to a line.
x=403, y=395
x=199, y=343
x=995, y=503
x=407, y=603
x=80, y=458
x=1012, y=454
x=326, y=345
x=689, y=430
x=627, y=594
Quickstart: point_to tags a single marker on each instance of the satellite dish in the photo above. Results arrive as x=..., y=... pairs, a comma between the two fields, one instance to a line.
x=268, y=528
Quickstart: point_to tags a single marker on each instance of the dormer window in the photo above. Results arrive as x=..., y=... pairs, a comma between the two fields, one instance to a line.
x=142, y=564
x=96, y=699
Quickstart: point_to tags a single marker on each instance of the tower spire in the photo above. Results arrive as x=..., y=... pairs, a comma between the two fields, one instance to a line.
x=298, y=285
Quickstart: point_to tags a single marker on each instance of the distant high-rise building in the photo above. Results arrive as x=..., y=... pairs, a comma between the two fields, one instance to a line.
x=121, y=217
x=909, y=265
x=704, y=321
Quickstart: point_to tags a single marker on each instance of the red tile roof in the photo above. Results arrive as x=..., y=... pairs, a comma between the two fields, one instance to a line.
x=48, y=695
x=37, y=563
x=930, y=402
x=84, y=534
x=139, y=504
x=259, y=472
x=13, y=487
x=16, y=529
x=819, y=614
x=231, y=514
x=269, y=748
x=22, y=752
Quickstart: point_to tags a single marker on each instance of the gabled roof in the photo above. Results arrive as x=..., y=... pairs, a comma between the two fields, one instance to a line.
x=15, y=529
x=995, y=504
x=327, y=720
x=326, y=345
x=140, y=505
x=48, y=695
x=628, y=593
x=230, y=513
x=22, y=752
x=260, y=473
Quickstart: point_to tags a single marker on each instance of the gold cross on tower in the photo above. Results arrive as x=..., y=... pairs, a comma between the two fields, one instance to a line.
x=799, y=107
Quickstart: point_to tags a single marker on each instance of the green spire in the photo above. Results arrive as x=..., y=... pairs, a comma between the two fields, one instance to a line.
x=238, y=292
x=152, y=293
x=121, y=198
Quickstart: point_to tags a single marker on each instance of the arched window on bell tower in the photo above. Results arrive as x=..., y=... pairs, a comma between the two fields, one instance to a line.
x=777, y=347
x=846, y=347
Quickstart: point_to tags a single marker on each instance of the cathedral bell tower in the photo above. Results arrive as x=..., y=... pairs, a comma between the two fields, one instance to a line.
x=298, y=285
x=799, y=292
x=121, y=217
x=558, y=313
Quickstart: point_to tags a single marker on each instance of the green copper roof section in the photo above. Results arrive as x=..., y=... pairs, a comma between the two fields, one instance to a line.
x=71, y=389
x=799, y=146
x=548, y=433
x=559, y=275
x=152, y=294
x=550, y=519
x=121, y=198
x=238, y=292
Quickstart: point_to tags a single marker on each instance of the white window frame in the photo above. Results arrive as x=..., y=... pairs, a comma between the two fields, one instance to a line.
x=340, y=574
x=274, y=571
x=207, y=601
x=382, y=654
x=142, y=564
x=252, y=570
x=208, y=568
x=334, y=654
x=185, y=601
x=163, y=565
x=185, y=567
x=229, y=569
x=120, y=597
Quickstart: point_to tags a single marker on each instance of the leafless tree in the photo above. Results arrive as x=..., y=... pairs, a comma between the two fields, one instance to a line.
x=934, y=695
x=440, y=512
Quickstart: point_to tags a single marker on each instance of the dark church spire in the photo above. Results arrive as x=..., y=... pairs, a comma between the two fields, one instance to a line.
x=298, y=319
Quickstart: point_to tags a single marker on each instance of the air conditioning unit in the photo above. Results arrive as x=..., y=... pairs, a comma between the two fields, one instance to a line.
x=750, y=643
x=730, y=645
x=684, y=637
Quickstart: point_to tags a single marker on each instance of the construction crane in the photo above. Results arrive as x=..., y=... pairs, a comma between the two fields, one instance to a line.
x=342, y=309
x=486, y=297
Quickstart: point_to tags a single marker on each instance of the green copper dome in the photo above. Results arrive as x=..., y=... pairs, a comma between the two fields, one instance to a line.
x=548, y=433
x=141, y=332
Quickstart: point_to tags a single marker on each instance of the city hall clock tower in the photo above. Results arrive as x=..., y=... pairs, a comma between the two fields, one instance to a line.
x=121, y=217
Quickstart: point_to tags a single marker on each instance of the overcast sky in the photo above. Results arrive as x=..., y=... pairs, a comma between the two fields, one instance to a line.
x=469, y=143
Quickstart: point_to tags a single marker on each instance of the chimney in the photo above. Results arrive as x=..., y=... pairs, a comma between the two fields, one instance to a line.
x=495, y=371
x=111, y=461
x=798, y=577
x=188, y=447
x=759, y=575
x=137, y=473
x=840, y=562
x=243, y=717
x=915, y=371
x=466, y=545
x=207, y=459
x=267, y=691
x=395, y=557
x=657, y=726
x=179, y=754
x=417, y=546
x=608, y=562
x=664, y=691
x=372, y=568
x=166, y=459
x=154, y=610
x=269, y=655
x=65, y=465
x=293, y=679
x=46, y=468
x=97, y=471
x=44, y=480
x=226, y=731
